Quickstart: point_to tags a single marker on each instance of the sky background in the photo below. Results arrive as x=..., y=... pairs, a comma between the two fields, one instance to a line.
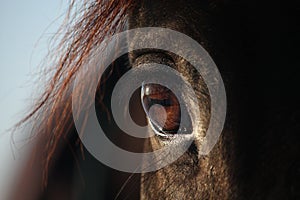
x=26, y=28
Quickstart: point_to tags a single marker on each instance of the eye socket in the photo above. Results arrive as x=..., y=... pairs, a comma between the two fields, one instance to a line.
x=163, y=110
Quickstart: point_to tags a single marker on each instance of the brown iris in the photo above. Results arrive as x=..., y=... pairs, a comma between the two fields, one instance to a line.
x=162, y=108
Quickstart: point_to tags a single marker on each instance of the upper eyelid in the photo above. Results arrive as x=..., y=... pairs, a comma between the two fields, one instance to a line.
x=140, y=52
x=160, y=56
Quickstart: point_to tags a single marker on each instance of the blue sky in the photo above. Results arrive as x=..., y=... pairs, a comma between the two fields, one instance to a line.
x=26, y=28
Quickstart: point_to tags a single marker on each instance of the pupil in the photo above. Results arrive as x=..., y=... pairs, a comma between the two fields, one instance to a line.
x=163, y=102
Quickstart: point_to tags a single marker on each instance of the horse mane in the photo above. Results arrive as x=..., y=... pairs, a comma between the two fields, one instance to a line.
x=84, y=28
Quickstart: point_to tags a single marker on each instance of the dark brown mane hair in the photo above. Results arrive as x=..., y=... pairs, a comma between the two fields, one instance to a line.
x=84, y=29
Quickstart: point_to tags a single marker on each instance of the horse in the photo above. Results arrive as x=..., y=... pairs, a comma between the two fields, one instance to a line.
x=255, y=157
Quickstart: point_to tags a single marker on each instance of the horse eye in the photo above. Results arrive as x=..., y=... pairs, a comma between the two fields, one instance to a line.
x=162, y=109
